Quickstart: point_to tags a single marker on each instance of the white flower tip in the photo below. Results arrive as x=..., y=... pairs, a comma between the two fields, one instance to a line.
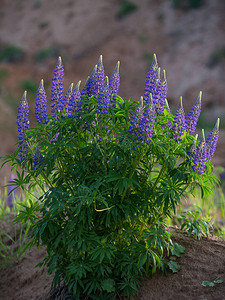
x=100, y=60
x=154, y=62
x=76, y=89
x=59, y=61
x=117, y=68
x=87, y=79
x=199, y=97
x=71, y=87
x=141, y=102
x=41, y=86
x=167, y=105
x=218, y=123
x=203, y=134
x=164, y=76
x=180, y=101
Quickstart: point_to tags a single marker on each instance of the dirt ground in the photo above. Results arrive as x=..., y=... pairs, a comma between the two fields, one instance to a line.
x=203, y=260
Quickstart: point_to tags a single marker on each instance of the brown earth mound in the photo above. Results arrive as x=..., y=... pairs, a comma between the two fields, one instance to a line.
x=203, y=260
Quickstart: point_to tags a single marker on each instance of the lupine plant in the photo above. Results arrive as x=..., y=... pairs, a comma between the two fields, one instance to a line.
x=111, y=172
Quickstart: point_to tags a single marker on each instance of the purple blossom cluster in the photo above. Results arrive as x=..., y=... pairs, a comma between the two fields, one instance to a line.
x=23, y=124
x=205, y=150
x=114, y=84
x=41, y=105
x=88, y=89
x=184, y=124
x=212, y=139
x=99, y=78
x=199, y=156
x=156, y=86
x=142, y=122
x=68, y=104
x=103, y=89
x=151, y=80
x=179, y=122
x=57, y=88
x=156, y=93
x=104, y=99
x=73, y=101
x=193, y=115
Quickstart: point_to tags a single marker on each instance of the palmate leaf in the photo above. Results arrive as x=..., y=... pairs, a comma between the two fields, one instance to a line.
x=108, y=285
x=28, y=212
x=79, y=269
x=122, y=182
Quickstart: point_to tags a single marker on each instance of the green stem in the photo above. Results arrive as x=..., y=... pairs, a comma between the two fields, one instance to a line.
x=159, y=176
x=135, y=164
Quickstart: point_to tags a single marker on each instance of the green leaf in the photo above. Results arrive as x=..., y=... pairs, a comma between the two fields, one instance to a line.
x=208, y=283
x=108, y=285
x=57, y=240
x=142, y=259
x=174, y=266
x=218, y=280
x=177, y=250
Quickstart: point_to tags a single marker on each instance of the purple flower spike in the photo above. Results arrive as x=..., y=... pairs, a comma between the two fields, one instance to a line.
x=89, y=87
x=212, y=139
x=22, y=125
x=151, y=79
x=193, y=115
x=160, y=93
x=179, y=122
x=104, y=99
x=150, y=120
x=41, y=104
x=163, y=92
x=142, y=122
x=156, y=93
x=199, y=157
x=114, y=83
x=191, y=150
x=57, y=88
x=99, y=78
x=74, y=105
x=67, y=97
x=84, y=91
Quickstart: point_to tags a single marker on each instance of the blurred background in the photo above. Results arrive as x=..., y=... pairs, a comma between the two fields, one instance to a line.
x=188, y=37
